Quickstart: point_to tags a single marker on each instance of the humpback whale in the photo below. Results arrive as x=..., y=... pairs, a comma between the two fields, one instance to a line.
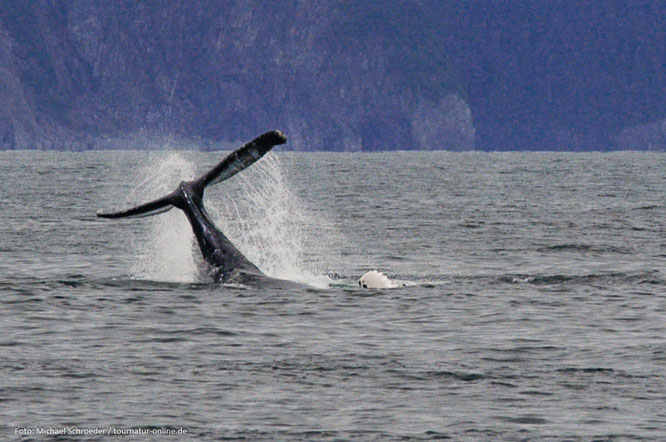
x=226, y=263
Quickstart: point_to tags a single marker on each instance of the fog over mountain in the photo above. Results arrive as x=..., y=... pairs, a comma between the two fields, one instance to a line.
x=336, y=74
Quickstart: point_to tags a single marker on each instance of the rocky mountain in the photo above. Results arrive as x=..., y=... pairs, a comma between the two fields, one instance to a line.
x=332, y=74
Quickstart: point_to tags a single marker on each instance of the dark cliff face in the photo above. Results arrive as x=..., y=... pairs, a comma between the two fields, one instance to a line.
x=562, y=74
x=340, y=75
x=333, y=74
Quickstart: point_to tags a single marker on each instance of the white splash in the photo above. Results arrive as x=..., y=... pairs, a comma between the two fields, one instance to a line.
x=167, y=253
x=265, y=220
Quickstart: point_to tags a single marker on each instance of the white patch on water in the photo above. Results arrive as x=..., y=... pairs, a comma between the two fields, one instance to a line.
x=256, y=210
x=167, y=253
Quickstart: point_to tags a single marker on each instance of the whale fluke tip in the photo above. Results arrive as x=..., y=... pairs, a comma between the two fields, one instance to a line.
x=277, y=136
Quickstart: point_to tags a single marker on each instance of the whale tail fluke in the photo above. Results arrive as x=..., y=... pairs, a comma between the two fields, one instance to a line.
x=234, y=163
x=155, y=207
x=241, y=159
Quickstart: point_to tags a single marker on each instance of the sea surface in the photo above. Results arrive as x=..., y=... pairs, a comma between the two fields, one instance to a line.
x=532, y=298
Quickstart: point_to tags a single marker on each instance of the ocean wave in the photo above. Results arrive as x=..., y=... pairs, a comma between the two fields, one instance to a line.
x=584, y=248
x=649, y=277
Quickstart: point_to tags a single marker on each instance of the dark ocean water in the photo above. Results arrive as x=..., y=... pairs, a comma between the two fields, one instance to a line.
x=534, y=305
